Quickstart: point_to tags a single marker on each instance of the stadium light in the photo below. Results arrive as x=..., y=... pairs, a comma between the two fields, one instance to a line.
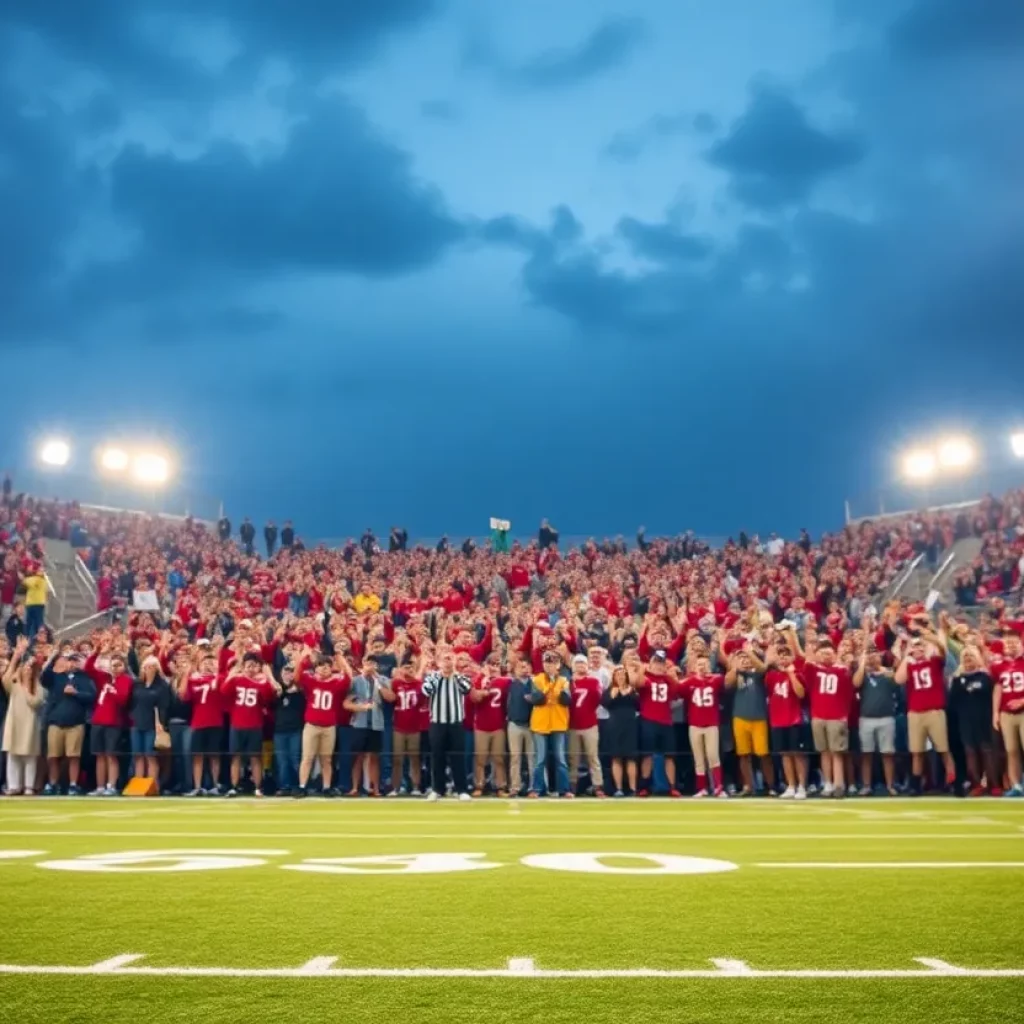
x=920, y=465
x=55, y=453
x=114, y=460
x=151, y=468
x=1017, y=444
x=956, y=453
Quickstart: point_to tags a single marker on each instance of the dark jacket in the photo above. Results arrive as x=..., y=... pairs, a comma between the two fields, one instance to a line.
x=63, y=709
x=147, y=702
x=519, y=706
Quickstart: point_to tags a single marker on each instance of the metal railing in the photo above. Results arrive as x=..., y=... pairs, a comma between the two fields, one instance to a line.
x=96, y=618
x=84, y=577
x=900, y=582
x=946, y=562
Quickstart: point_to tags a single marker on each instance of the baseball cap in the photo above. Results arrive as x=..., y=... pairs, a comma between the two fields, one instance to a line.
x=580, y=658
x=202, y=642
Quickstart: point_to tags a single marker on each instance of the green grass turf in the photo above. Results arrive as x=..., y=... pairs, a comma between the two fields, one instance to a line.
x=269, y=917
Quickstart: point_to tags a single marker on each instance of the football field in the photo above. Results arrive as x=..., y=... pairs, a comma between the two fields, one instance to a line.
x=400, y=911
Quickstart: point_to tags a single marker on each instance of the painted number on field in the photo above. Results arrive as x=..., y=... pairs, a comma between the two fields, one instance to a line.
x=399, y=864
x=164, y=861
x=638, y=863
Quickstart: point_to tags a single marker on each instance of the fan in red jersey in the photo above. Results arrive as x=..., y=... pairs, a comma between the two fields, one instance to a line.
x=922, y=670
x=113, y=692
x=200, y=689
x=657, y=689
x=583, y=731
x=786, y=692
x=1008, y=705
x=324, y=692
x=829, y=686
x=702, y=692
x=246, y=696
x=405, y=692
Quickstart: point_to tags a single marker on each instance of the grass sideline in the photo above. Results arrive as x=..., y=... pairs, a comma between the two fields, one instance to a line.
x=814, y=917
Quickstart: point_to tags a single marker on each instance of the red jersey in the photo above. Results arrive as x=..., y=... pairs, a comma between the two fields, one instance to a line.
x=112, y=696
x=408, y=700
x=322, y=698
x=202, y=692
x=830, y=689
x=245, y=699
x=586, y=699
x=489, y=714
x=702, y=694
x=1008, y=675
x=926, y=687
x=656, y=697
x=785, y=708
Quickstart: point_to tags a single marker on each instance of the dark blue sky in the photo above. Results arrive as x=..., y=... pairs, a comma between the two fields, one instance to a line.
x=684, y=263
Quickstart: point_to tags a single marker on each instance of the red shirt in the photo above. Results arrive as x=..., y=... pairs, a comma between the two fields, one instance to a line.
x=245, y=699
x=202, y=693
x=586, y=699
x=656, y=697
x=785, y=709
x=926, y=687
x=112, y=696
x=1009, y=677
x=322, y=698
x=830, y=689
x=408, y=698
x=489, y=714
x=702, y=694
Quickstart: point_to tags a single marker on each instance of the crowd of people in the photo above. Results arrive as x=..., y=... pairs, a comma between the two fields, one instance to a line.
x=772, y=667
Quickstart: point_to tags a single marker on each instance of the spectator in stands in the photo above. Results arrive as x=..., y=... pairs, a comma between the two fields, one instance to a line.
x=287, y=535
x=364, y=701
x=877, y=726
x=583, y=732
x=270, y=537
x=34, y=583
x=622, y=702
x=745, y=673
x=247, y=535
x=69, y=696
x=21, y=732
x=224, y=528
x=149, y=707
x=113, y=683
x=549, y=723
x=547, y=536
x=970, y=702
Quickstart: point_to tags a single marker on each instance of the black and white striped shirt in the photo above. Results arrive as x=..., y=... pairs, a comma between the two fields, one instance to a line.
x=447, y=697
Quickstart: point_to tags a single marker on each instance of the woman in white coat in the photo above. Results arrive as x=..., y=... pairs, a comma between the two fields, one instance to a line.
x=21, y=742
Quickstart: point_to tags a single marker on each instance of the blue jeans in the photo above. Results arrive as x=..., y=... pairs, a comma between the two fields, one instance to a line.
x=343, y=758
x=287, y=754
x=34, y=614
x=181, y=757
x=556, y=743
x=143, y=742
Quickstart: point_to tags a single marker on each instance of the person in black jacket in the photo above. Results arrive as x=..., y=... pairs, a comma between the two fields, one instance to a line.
x=69, y=695
x=247, y=534
x=288, y=722
x=224, y=528
x=270, y=537
x=287, y=534
x=149, y=704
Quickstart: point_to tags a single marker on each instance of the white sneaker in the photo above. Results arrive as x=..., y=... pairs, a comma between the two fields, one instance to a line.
x=98, y=791
x=827, y=789
x=465, y=797
x=258, y=792
x=722, y=794
x=431, y=797
x=700, y=794
x=393, y=792
x=801, y=793
x=415, y=792
x=788, y=794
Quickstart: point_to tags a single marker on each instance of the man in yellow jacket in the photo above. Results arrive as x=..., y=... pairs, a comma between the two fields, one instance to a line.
x=34, y=583
x=549, y=722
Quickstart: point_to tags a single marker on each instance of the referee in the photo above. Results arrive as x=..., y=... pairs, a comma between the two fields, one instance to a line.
x=446, y=690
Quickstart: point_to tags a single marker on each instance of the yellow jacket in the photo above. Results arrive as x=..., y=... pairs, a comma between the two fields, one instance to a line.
x=551, y=714
x=35, y=589
x=366, y=603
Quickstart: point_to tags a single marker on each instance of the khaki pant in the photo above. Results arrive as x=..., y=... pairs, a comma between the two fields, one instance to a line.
x=405, y=744
x=704, y=744
x=1012, y=728
x=489, y=746
x=830, y=735
x=584, y=741
x=317, y=741
x=927, y=725
x=520, y=741
x=64, y=742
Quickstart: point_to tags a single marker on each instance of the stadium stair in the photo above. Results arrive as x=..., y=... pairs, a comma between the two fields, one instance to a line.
x=72, y=600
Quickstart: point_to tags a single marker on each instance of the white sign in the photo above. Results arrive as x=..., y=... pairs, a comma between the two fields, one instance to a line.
x=500, y=524
x=145, y=601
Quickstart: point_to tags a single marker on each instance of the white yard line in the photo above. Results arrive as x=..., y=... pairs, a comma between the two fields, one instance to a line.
x=455, y=836
x=893, y=864
x=517, y=968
